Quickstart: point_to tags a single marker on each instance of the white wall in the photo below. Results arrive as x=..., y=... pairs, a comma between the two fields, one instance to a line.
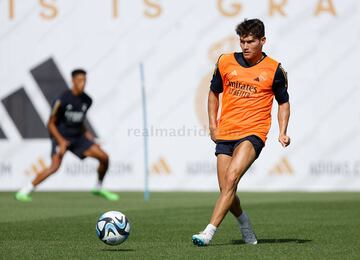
x=179, y=42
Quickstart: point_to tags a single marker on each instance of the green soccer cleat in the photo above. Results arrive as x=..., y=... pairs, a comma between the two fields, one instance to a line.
x=106, y=194
x=22, y=197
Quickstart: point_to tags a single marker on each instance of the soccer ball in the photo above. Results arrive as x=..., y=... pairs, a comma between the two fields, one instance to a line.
x=113, y=228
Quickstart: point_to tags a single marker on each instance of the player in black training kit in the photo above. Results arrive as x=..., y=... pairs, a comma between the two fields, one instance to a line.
x=68, y=133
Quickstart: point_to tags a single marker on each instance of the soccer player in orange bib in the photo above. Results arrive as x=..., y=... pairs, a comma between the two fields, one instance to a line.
x=248, y=81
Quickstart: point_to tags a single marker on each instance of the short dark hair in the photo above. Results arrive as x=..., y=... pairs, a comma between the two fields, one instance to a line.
x=76, y=72
x=254, y=27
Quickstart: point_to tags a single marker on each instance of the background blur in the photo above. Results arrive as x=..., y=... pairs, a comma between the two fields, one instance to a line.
x=41, y=42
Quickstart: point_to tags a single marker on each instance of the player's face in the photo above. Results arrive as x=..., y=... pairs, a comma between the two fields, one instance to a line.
x=79, y=82
x=251, y=46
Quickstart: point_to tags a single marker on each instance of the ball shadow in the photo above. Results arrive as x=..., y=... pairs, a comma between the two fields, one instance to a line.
x=117, y=250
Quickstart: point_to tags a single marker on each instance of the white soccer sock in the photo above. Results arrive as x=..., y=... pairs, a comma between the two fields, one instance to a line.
x=27, y=189
x=210, y=230
x=98, y=185
x=243, y=218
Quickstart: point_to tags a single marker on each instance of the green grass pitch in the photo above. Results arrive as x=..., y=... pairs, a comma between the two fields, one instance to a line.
x=288, y=226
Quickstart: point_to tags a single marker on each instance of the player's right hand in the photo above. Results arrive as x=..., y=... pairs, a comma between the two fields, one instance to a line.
x=63, y=145
x=284, y=140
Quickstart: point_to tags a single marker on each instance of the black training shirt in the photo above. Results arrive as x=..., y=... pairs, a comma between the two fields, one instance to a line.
x=70, y=112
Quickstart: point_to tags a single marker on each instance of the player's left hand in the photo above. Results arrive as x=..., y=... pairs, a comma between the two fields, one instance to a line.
x=89, y=136
x=212, y=134
x=284, y=140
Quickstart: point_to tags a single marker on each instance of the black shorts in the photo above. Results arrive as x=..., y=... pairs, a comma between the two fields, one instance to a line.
x=78, y=145
x=228, y=147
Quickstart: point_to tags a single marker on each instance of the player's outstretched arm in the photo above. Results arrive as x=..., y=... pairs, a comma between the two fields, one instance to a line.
x=213, y=107
x=283, y=118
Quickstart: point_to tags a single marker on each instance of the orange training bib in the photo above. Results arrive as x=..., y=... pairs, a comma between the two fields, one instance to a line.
x=247, y=98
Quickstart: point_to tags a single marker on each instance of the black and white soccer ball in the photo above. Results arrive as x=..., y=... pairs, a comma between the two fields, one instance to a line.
x=113, y=228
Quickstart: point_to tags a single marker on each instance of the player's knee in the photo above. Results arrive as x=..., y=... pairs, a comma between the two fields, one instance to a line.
x=231, y=181
x=55, y=165
x=51, y=170
x=54, y=168
x=230, y=185
x=104, y=159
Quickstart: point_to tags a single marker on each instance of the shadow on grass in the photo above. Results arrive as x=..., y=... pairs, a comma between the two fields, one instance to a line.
x=275, y=241
x=267, y=241
x=117, y=250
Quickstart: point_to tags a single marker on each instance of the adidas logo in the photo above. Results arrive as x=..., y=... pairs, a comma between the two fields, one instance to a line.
x=261, y=77
x=283, y=167
x=23, y=112
x=161, y=167
x=37, y=168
